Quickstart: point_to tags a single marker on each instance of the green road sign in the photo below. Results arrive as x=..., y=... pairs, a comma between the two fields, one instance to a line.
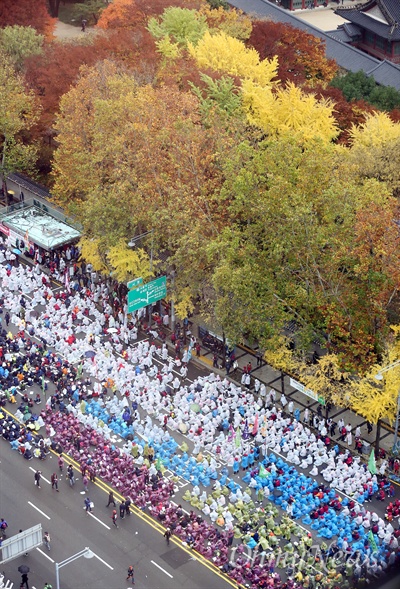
x=134, y=283
x=146, y=294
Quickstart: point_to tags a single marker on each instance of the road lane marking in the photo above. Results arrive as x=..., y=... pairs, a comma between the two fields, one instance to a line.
x=101, y=560
x=99, y=520
x=161, y=569
x=44, y=554
x=39, y=510
x=41, y=476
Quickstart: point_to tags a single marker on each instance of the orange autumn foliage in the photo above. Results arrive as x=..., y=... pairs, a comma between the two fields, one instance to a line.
x=27, y=13
x=129, y=14
x=52, y=74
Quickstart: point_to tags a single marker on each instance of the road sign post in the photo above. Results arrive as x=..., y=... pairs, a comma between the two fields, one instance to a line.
x=147, y=294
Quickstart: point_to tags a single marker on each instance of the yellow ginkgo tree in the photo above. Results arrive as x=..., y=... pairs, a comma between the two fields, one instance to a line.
x=226, y=54
x=377, y=130
x=121, y=261
x=128, y=263
x=289, y=110
x=377, y=400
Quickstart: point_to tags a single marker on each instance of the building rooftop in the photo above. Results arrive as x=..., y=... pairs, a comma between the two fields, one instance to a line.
x=348, y=57
x=373, y=20
x=44, y=227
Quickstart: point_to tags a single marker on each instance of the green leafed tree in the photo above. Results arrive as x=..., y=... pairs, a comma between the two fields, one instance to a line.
x=18, y=112
x=18, y=43
x=221, y=94
x=182, y=25
x=359, y=86
x=303, y=244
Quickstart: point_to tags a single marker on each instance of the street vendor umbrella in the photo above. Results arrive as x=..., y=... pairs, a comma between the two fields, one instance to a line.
x=23, y=569
x=17, y=251
x=195, y=407
x=112, y=330
x=90, y=354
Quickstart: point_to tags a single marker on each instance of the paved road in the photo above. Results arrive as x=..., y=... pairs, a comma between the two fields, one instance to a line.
x=71, y=530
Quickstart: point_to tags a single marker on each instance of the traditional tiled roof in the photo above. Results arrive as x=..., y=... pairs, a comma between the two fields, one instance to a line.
x=385, y=73
x=340, y=34
x=348, y=57
x=381, y=17
x=352, y=30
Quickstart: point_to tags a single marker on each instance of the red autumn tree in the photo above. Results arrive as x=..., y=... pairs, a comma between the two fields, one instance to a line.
x=27, y=13
x=301, y=56
x=51, y=74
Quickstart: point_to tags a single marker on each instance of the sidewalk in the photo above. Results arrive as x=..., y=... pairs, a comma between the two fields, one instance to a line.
x=281, y=384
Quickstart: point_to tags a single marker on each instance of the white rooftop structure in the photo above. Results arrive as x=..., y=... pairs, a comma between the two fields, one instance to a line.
x=41, y=224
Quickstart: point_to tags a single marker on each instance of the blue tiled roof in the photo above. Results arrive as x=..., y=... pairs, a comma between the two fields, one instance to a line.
x=348, y=57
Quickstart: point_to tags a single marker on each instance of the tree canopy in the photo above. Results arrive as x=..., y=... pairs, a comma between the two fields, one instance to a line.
x=26, y=13
x=18, y=43
x=18, y=112
x=270, y=195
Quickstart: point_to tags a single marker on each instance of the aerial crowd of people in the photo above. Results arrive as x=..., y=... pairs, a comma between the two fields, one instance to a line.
x=264, y=483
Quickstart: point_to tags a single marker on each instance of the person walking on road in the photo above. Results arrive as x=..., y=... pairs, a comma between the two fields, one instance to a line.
x=70, y=474
x=46, y=540
x=88, y=506
x=61, y=463
x=122, y=509
x=85, y=482
x=128, y=506
x=131, y=574
x=38, y=476
x=114, y=517
x=54, y=481
x=167, y=535
x=24, y=581
x=111, y=499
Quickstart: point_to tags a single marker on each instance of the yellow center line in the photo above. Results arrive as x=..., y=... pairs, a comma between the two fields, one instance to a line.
x=103, y=486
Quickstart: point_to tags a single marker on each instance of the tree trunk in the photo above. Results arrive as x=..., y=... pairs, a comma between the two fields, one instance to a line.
x=54, y=6
x=224, y=349
x=377, y=438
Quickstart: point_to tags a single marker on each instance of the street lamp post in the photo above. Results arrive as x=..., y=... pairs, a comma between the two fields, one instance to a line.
x=132, y=243
x=86, y=553
x=380, y=377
